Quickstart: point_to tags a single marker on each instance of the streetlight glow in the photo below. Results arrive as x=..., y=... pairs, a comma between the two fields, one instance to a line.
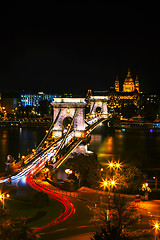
x=156, y=226
x=2, y=197
x=110, y=164
x=114, y=165
x=113, y=182
x=108, y=183
x=104, y=183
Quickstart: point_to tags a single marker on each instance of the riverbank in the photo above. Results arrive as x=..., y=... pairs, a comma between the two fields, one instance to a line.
x=26, y=123
x=126, y=124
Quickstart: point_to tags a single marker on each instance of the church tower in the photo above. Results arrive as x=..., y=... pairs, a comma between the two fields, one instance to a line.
x=117, y=84
x=128, y=85
x=137, y=84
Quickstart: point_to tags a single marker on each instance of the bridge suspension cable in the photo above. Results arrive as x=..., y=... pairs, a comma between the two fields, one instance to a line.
x=45, y=137
x=50, y=129
x=66, y=135
x=91, y=109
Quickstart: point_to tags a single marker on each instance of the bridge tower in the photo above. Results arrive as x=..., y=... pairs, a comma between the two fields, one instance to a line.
x=65, y=109
x=98, y=106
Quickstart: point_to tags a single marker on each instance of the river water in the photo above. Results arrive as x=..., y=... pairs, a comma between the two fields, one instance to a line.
x=15, y=141
x=137, y=146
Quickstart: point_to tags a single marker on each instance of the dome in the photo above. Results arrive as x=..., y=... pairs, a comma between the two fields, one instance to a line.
x=128, y=85
x=128, y=78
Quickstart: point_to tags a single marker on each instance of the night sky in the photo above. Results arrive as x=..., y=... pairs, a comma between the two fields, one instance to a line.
x=73, y=47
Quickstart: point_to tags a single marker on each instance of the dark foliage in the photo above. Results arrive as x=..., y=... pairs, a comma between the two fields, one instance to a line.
x=16, y=229
x=86, y=168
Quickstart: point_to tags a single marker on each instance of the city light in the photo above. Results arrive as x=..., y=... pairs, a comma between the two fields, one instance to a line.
x=104, y=183
x=156, y=227
x=114, y=165
x=2, y=198
x=110, y=164
x=112, y=182
x=68, y=171
x=108, y=183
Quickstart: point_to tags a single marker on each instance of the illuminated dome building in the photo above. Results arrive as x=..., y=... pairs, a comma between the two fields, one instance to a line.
x=117, y=98
x=128, y=95
x=129, y=84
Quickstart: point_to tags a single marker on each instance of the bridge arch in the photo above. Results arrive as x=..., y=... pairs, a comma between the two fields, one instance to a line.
x=98, y=110
x=98, y=105
x=66, y=123
x=68, y=108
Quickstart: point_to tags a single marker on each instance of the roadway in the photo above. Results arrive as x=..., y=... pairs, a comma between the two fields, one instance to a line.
x=79, y=225
x=81, y=221
x=152, y=208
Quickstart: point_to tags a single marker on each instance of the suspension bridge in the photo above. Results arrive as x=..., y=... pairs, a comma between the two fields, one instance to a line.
x=68, y=130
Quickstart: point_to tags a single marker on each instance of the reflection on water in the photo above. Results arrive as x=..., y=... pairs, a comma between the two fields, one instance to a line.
x=137, y=146
x=18, y=140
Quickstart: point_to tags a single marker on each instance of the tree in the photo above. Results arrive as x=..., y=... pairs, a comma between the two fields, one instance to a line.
x=123, y=214
x=129, y=180
x=16, y=229
x=87, y=167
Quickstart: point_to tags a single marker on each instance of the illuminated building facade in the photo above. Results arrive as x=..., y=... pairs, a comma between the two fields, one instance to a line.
x=34, y=99
x=117, y=84
x=117, y=98
x=129, y=84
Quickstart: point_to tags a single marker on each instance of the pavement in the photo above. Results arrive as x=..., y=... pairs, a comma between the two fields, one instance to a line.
x=85, y=221
x=84, y=236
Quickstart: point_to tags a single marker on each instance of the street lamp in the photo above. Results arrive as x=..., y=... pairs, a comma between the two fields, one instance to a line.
x=112, y=183
x=108, y=184
x=156, y=226
x=68, y=171
x=114, y=165
x=2, y=197
x=104, y=184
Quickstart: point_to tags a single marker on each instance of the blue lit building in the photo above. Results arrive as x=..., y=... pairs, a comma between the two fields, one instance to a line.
x=34, y=99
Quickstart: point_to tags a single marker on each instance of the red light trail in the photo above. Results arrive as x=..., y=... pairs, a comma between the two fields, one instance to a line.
x=69, y=209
